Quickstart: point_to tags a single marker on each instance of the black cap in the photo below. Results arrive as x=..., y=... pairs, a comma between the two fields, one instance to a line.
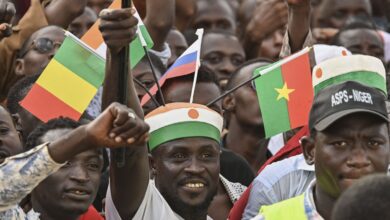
x=336, y=101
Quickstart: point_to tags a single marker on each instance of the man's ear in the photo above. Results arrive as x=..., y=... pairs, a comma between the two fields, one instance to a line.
x=19, y=67
x=229, y=103
x=152, y=165
x=308, y=149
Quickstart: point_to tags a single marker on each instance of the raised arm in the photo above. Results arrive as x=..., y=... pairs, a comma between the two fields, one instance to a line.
x=160, y=16
x=22, y=173
x=63, y=12
x=298, y=24
x=129, y=183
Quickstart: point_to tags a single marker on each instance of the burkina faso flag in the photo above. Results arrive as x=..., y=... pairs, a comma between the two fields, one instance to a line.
x=285, y=93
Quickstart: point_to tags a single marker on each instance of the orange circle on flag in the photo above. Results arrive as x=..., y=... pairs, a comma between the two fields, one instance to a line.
x=193, y=113
x=319, y=73
x=344, y=53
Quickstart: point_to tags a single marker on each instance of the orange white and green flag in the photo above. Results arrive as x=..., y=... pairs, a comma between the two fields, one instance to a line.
x=68, y=83
x=285, y=93
x=94, y=38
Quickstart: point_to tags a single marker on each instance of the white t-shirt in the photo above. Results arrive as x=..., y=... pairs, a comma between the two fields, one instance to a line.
x=153, y=206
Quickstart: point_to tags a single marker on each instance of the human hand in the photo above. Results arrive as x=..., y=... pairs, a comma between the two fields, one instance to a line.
x=117, y=126
x=118, y=27
x=269, y=16
x=7, y=12
x=324, y=35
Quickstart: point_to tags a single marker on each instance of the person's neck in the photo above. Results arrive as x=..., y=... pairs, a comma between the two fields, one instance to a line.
x=193, y=214
x=324, y=203
x=46, y=214
x=248, y=142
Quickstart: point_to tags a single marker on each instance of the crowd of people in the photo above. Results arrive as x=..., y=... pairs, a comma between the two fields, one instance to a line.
x=171, y=158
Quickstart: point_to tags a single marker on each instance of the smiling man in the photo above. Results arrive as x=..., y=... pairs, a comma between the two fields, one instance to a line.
x=349, y=139
x=69, y=192
x=185, y=151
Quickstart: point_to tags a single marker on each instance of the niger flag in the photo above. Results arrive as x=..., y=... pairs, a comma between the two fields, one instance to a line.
x=285, y=93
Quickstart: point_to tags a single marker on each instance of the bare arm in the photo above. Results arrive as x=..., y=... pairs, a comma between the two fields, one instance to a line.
x=160, y=15
x=129, y=183
x=63, y=12
x=298, y=22
x=185, y=11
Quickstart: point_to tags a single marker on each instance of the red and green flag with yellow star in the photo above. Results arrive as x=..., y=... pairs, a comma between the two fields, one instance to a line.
x=285, y=93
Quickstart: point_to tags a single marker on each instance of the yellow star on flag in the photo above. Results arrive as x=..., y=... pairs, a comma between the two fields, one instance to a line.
x=284, y=92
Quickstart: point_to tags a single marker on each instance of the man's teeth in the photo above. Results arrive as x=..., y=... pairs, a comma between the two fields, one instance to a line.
x=78, y=192
x=195, y=185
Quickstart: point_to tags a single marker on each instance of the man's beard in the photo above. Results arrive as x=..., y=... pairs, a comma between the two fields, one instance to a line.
x=184, y=209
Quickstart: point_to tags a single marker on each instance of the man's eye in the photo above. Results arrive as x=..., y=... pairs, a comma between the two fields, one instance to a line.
x=237, y=60
x=340, y=144
x=374, y=143
x=93, y=166
x=213, y=59
x=179, y=156
x=4, y=130
x=148, y=83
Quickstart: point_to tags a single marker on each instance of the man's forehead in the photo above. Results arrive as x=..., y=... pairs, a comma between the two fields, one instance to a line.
x=357, y=35
x=5, y=116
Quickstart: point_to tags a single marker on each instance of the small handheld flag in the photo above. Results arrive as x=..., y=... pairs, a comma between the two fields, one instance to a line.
x=68, y=84
x=184, y=65
x=285, y=93
x=94, y=38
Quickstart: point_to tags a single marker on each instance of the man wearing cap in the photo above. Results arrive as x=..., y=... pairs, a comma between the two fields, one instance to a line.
x=184, y=147
x=349, y=137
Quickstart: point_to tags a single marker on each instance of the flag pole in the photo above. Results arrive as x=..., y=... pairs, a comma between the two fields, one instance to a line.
x=199, y=32
x=233, y=89
x=124, y=60
x=144, y=45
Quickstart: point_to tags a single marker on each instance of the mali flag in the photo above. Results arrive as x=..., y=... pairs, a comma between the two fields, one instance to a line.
x=68, y=83
x=94, y=38
x=285, y=93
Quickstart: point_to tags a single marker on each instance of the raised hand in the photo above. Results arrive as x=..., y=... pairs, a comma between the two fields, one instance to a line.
x=118, y=28
x=7, y=12
x=269, y=16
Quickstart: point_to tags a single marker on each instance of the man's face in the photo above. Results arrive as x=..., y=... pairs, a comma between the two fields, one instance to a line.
x=40, y=50
x=334, y=13
x=143, y=73
x=363, y=41
x=98, y=5
x=205, y=92
x=246, y=108
x=28, y=122
x=354, y=146
x=187, y=172
x=222, y=54
x=81, y=24
x=215, y=16
x=10, y=143
x=271, y=45
x=177, y=43
x=73, y=187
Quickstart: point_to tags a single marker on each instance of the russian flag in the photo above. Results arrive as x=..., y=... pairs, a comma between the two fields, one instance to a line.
x=186, y=64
